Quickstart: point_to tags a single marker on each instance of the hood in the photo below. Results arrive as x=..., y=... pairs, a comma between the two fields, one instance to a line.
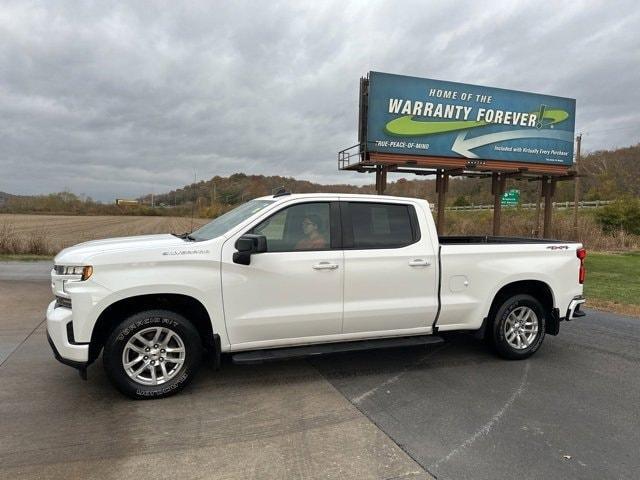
x=79, y=254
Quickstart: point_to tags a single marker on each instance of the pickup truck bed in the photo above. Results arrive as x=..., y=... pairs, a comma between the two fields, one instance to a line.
x=484, y=239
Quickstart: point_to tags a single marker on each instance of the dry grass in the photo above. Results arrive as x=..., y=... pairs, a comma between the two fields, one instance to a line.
x=48, y=234
x=615, y=307
x=521, y=222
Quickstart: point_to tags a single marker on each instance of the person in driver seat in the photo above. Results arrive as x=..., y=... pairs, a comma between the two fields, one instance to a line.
x=311, y=226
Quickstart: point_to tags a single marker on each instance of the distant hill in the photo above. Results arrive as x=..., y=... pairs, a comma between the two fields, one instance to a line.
x=609, y=174
x=240, y=187
x=4, y=198
x=612, y=173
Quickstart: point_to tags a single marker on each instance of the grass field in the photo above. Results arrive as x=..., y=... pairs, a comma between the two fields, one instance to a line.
x=613, y=282
x=48, y=234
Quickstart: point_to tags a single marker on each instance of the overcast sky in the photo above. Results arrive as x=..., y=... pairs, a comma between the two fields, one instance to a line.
x=116, y=100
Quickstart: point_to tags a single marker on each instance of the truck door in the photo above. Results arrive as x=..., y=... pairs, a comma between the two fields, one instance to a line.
x=292, y=292
x=390, y=280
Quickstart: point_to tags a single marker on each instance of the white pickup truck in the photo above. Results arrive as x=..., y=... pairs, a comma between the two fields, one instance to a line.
x=294, y=275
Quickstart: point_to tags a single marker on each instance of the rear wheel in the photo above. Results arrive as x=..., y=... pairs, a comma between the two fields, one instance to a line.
x=518, y=327
x=152, y=354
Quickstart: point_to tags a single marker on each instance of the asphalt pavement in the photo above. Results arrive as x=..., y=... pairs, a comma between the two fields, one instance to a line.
x=453, y=411
x=572, y=411
x=26, y=271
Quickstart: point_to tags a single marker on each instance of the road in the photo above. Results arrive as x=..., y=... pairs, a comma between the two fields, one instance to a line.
x=453, y=411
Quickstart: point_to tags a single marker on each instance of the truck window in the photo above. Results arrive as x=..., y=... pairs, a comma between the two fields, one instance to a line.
x=301, y=227
x=226, y=222
x=381, y=225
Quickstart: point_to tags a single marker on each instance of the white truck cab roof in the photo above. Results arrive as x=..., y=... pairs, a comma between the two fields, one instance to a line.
x=341, y=196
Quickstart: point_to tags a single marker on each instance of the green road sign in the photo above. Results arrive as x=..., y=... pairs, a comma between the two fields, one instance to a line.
x=510, y=198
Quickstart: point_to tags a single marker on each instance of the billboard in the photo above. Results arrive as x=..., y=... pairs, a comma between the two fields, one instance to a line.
x=420, y=116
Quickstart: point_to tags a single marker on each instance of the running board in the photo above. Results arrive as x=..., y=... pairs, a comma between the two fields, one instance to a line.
x=274, y=354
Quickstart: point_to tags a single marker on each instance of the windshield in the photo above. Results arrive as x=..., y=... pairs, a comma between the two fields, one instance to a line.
x=226, y=222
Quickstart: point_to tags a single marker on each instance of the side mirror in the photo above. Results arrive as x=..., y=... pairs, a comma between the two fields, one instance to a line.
x=247, y=245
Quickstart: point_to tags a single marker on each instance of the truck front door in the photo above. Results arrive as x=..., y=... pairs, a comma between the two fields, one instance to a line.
x=293, y=292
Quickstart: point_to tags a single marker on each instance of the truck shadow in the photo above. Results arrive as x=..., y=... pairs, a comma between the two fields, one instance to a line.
x=459, y=350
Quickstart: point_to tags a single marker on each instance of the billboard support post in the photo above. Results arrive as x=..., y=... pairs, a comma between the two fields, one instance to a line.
x=498, y=183
x=538, y=205
x=548, y=191
x=381, y=179
x=442, y=185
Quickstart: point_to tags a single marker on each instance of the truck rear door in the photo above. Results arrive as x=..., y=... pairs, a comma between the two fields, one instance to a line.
x=390, y=263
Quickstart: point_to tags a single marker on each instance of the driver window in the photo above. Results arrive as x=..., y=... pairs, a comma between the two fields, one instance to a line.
x=301, y=227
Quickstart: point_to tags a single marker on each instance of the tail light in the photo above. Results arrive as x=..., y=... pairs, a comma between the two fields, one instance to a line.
x=582, y=254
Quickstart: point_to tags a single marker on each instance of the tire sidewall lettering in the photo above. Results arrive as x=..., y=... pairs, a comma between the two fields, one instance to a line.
x=126, y=333
x=164, y=390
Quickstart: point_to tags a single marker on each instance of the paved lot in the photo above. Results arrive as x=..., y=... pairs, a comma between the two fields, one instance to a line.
x=569, y=412
x=267, y=421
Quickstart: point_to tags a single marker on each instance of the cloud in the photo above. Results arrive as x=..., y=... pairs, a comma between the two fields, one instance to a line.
x=115, y=100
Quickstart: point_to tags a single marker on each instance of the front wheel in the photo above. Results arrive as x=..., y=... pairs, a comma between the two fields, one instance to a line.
x=518, y=327
x=152, y=354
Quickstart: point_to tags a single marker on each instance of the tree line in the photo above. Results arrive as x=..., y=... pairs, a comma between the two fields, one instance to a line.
x=606, y=175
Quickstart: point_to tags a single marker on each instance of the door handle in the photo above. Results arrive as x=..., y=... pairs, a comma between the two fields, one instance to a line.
x=419, y=262
x=325, y=266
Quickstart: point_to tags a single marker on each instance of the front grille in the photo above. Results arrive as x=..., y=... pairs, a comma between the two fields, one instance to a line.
x=59, y=269
x=63, y=302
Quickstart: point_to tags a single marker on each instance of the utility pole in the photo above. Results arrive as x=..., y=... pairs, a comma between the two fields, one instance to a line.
x=576, y=188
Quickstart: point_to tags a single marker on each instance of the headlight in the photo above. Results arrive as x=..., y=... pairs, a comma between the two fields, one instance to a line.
x=85, y=272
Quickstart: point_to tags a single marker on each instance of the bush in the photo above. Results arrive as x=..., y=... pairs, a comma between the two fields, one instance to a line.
x=461, y=201
x=622, y=215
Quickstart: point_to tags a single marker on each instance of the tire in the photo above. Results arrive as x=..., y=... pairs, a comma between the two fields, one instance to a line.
x=512, y=333
x=158, y=372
